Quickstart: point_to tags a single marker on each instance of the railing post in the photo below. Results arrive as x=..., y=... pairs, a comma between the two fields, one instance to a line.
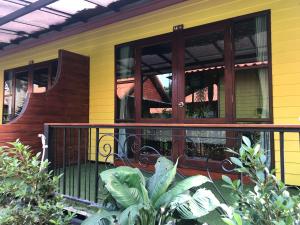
x=64, y=160
x=282, y=166
x=79, y=163
x=97, y=165
x=49, y=153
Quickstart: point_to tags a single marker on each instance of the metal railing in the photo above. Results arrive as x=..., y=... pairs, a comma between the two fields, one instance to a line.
x=81, y=151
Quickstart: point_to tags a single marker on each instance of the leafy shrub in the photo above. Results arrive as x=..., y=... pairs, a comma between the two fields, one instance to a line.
x=154, y=201
x=27, y=191
x=268, y=202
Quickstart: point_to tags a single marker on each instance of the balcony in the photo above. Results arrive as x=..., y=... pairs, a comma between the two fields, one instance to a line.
x=80, y=151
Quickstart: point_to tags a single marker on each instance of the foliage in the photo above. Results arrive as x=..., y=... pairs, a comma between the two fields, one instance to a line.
x=268, y=202
x=27, y=191
x=155, y=201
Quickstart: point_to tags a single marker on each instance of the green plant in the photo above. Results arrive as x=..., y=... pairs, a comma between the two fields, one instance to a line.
x=268, y=202
x=156, y=201
x=27, y=191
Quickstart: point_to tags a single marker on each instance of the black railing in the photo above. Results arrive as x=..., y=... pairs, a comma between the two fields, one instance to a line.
x=81, y=151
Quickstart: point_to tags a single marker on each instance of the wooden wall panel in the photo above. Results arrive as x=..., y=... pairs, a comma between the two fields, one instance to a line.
x=67, y=101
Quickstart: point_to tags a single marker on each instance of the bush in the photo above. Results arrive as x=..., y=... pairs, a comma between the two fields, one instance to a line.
x=268, y=202
x=154, y=201
x=27, y=191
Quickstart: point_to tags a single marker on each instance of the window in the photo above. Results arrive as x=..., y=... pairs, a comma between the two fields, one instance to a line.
x=125, y=73
x=18, y=82
x=216, y=73
x=204, y=76
x=251, y=68
x=156, y=73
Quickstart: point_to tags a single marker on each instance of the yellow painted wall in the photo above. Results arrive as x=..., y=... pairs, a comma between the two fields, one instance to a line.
x=99, y=45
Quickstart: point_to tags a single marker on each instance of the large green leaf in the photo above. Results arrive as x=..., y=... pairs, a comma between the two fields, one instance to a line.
x=132, y=176
x=162, y=165
x=102, y=217
x=181, y=187
x=128, y=177
x=129, y=215
x=122, y=193
x=200, y=204
x=141, y=213
x=164, y=181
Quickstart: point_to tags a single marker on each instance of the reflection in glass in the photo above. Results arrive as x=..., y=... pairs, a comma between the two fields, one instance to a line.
x=8, y=97
x=251, y=68
x=125, y=62
x=252, y=93
x=125, y=82
x=40, y=80
x=202, y=144
x=204, y=76
x=21, y=91
x=156, y=141
x=156, y=70
x=250, y=41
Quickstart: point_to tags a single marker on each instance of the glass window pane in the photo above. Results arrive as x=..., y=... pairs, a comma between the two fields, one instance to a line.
x=8, y=83
x=252, y=93
x=125, y=62
x=250, y=41
x=7, y=109
x=21, y=91
x=125, y=82
x=40, y=80
x=204, y=76
x=156, y=141
x=156, y=71
x=202, y=144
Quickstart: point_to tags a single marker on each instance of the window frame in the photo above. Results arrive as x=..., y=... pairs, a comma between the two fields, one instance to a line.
x=230, y=95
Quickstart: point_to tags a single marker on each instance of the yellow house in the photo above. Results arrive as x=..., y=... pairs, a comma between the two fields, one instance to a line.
x=201, y=63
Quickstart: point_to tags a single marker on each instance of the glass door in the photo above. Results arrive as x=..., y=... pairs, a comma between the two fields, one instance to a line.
x=156, y=101
x=156, y=76
x=202, y=95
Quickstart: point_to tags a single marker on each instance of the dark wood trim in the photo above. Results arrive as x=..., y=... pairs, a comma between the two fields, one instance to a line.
x=251, y=15
x=262, y=127
x=229, y=74
x=115, y=84
x=178, y=75
x=256, y=120
x=94, y=23
x=138, y=85
x=270, y=74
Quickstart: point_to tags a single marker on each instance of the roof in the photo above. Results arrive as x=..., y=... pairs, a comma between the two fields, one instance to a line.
x=30, y=19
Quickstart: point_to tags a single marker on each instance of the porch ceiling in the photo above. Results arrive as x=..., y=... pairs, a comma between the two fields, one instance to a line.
x=29, y=19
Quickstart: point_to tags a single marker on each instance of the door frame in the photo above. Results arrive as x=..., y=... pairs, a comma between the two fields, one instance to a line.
x=177, y=38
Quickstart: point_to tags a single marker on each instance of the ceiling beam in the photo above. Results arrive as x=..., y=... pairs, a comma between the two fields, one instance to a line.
x=25, y=10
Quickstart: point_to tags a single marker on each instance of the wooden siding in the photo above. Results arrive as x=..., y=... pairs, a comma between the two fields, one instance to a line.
x=99, y=45
x=66, y=100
